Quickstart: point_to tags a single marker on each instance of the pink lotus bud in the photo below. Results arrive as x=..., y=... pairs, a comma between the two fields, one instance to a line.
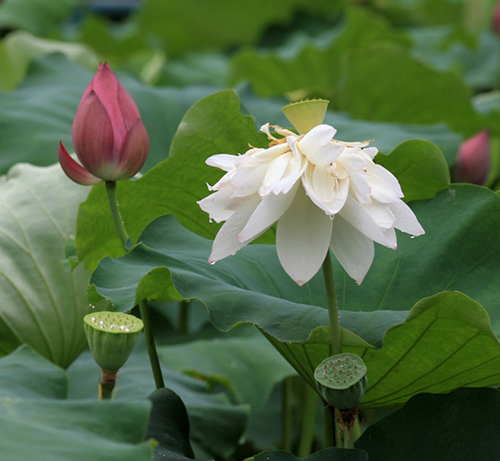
x=495, y=20
x=473, y=161
x=109, y=137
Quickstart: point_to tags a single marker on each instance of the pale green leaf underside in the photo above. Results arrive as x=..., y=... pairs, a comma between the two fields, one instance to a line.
x=41, y=304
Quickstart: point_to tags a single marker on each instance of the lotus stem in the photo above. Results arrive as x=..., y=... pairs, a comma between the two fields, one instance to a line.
x=333, y=311
x=107, y=383
x=336, y=342
x=143, y=305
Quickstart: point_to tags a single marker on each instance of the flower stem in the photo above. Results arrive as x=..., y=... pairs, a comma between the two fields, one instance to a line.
x=333, y=311
x=336, y=342
x=107, y=383
x=115, y=212
x=150, y=344
x=143, y=305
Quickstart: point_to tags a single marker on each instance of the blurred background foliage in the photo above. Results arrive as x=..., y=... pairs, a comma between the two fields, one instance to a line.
x=431, y=66
x=392, y=69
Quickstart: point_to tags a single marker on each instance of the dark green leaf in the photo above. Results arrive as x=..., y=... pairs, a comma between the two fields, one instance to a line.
x=420, y=167
x=169, y=425
x=460, y=251
x=328, y=454
x=230, y=362
x=461, y=425
x=216, y=425
x=22, y=372
x=39, y=423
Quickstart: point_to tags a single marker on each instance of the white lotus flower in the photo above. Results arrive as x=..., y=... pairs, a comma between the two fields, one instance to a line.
x=322, y=192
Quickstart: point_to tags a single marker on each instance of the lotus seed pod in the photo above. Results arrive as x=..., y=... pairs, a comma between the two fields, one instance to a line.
x=341, y=380
x=112, y=337
x=305, y=115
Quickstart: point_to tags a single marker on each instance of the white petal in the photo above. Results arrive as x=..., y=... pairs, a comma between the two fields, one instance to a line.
x=371, y=152
x=270, y=209
x=353, y=250
x=225, y=162
x=391, y=237
x=316, y=189
x=226, y=242
x=354, y=164
x=381, y=214
x=359, y=218
x=265, y=129
x=302, y=238
x=316, y=145
x=275, y=173
x=248, y=178
x=406, y=221
x=221, y=205
x=385, y=186
x=291, y=175
x=284, y=132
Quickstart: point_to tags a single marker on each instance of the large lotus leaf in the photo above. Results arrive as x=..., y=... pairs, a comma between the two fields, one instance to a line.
x=23, y=371
x=460, y=251
x=36, y=16
x=249, y=367
x=19, y=48
x=39, y=423
x=215, y=125
x=41, y=303
x=446, y=342
x=40, y=112
x=438, y=427
x=327, y=454
x=313, y=68
x=252, y=287
x=216, y=425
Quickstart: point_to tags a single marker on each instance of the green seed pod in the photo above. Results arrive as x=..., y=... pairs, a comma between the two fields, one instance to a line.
x=305, y=115
x=112, y=337
x=341, y=380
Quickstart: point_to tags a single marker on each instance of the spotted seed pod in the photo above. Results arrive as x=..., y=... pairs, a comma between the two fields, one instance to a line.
x=112, y=337
x=341, y=380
